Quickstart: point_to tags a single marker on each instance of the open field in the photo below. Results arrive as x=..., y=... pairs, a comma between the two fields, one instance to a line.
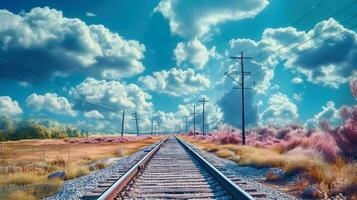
x=25, y=164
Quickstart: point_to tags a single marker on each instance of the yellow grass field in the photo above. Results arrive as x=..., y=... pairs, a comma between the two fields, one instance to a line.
x=25, y=164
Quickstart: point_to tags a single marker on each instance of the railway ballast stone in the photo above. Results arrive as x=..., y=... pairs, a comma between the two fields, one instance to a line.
x=311, y=192
x=57, y=174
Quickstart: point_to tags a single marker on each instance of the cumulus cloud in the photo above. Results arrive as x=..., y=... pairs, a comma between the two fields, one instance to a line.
x=231, y=107
x=329, y=113
x=175, y=82
x=251, y=48
x=51, y=44
x=353, y=87
x=213, y=115
x=94, y=114
x=50, y=102
x=337, y=57
x=196, y=18
x=329, y=64
x=280, y=111
x=9, y=106
x=113, y=94
x=171, y=120
x=193, y=52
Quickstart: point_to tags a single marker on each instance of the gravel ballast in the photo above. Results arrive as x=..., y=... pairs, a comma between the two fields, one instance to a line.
x=247, y=174
x=76, y=188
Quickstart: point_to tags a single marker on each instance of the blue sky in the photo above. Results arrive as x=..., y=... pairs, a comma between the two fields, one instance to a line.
x=66, y=61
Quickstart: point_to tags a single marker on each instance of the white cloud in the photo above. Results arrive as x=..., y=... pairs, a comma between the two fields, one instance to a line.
x=175, y=82
x=280, y=111
x=353, y=85
x=94, y=114
x=113, y=94
x=9, y=106
x=337, y=56
x=97, y=125
x=170, y=120
x=50, y=102
x=196, y=18
x=297, y=80
x=329, y=113
x=298, y=96
x=52, y=44
x=264, y=71
x=90, y=14
x=193, y=52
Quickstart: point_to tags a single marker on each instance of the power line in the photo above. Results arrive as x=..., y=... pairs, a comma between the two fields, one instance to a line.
x=298, y=37
x=315, y=36
x=308, y=12
x=310, y=39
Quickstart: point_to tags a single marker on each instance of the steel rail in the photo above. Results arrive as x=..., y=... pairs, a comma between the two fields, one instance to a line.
x=123, y=181
x=233, y=189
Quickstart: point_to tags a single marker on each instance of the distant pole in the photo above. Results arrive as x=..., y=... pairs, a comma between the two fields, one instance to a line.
x=152, y=126
x=243, y=73
x=155, y=128
x=137, y=125
x=159, y=128
x=186, y=120
x=122, y=124
x=204, y=100
x=194, y=119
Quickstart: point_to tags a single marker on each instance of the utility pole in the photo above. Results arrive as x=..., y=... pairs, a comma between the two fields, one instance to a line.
x=136, y=122
x=122, y=124
x=241, y=59
x=152, y=126
x=204, y=100
x=186, y=121
x=159, y=128
x=194, y=119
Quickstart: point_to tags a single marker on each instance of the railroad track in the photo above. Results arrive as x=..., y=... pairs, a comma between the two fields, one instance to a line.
x=173, y=170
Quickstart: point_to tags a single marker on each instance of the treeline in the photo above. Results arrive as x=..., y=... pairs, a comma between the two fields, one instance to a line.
x=35, y=129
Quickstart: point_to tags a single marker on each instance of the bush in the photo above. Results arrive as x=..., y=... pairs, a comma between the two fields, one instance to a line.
x=35, y=130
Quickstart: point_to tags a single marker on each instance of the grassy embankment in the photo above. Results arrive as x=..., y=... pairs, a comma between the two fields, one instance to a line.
x=25, y=164
x=331, y=177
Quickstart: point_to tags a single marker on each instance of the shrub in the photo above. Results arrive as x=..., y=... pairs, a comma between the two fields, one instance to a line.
x=346, y=135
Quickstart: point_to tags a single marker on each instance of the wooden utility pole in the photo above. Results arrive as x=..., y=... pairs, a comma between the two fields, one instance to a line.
x=137, y=125
x=204, y=100
x=194, y=119
x=186, y=121
x=241, y=59
x=122, y=124
x=152, y=126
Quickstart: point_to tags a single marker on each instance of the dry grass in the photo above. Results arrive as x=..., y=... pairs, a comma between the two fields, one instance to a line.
x=25, y=165
x=332, y=178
